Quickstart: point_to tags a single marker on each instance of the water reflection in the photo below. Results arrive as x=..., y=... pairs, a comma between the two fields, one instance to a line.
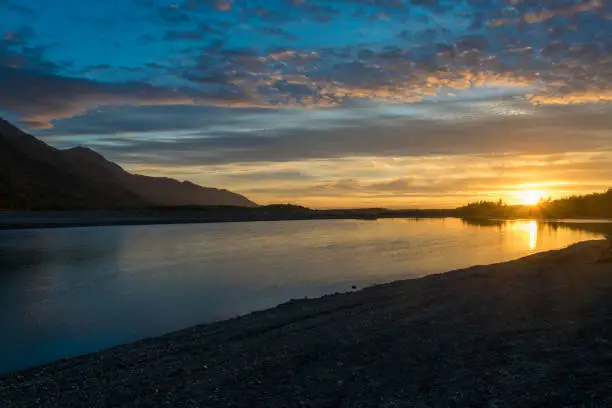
x=533, y=234
x=528, y=231
x=71, y=291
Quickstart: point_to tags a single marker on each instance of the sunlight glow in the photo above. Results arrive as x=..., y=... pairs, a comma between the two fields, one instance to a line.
x=530, y=197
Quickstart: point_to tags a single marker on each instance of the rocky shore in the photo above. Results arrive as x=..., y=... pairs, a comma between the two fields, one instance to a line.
x=535, y=332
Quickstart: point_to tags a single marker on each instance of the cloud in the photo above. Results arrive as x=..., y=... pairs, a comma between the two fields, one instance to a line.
x=409, y=73
x=454, y=128
x=111, y=120
x=272, y=175
x=219, y=5
x=415, y=181
x=558, y=53
x=399, y=185
x=41, y=98
x=540, y=15
x=17, y=51
x=276, y=32
x=574, y=97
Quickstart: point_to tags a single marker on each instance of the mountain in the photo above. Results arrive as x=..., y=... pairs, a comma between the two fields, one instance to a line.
x=159, y=191
x=34, y=175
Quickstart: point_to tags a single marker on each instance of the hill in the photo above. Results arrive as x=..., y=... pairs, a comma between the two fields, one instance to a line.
x=36, y=176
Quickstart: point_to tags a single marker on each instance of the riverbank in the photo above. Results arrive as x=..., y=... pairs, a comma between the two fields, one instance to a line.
x=531, y=332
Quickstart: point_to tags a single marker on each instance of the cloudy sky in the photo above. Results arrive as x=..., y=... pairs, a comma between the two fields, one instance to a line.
x=325, y=103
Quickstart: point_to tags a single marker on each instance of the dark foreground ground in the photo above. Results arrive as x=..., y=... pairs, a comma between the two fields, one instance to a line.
x=536, y=332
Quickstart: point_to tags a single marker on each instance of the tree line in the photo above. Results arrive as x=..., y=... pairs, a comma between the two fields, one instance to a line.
x=595, y=205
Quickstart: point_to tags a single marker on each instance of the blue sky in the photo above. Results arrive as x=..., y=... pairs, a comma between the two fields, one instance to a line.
x=326, y=103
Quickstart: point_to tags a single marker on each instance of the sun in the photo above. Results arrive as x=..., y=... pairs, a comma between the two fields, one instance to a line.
x=530, y=197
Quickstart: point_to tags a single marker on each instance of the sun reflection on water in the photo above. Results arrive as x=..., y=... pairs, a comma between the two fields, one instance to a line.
x=532, y=227
x=527, y=233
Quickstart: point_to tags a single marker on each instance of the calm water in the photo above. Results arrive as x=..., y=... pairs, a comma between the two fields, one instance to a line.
x=65, y=292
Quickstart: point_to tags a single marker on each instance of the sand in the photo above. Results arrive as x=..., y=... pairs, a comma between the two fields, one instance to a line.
x=536, y=332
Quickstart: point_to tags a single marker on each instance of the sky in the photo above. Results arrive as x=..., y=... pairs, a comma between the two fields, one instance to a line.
x=324, y=103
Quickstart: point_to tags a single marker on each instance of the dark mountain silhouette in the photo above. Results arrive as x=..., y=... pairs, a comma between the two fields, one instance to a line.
x=34, y=175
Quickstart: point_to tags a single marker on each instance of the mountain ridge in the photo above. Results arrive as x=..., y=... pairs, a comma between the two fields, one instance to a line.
x=36, y=176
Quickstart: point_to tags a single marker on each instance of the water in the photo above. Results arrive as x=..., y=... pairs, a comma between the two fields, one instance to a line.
x=65, y=292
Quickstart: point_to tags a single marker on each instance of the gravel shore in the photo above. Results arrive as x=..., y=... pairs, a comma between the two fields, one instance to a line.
x=535, y=332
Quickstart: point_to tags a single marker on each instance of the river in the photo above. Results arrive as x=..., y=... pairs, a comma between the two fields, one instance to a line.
x=70, y=291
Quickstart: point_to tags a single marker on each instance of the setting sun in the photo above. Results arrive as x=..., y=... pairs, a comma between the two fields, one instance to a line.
x=530, y=197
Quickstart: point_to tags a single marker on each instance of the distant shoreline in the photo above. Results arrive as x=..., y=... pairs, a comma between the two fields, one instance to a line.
x=528, y=332
x=70, y=219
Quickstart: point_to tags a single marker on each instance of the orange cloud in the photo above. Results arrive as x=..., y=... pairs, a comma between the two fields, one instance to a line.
x=573, y=98
x=540, y=16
